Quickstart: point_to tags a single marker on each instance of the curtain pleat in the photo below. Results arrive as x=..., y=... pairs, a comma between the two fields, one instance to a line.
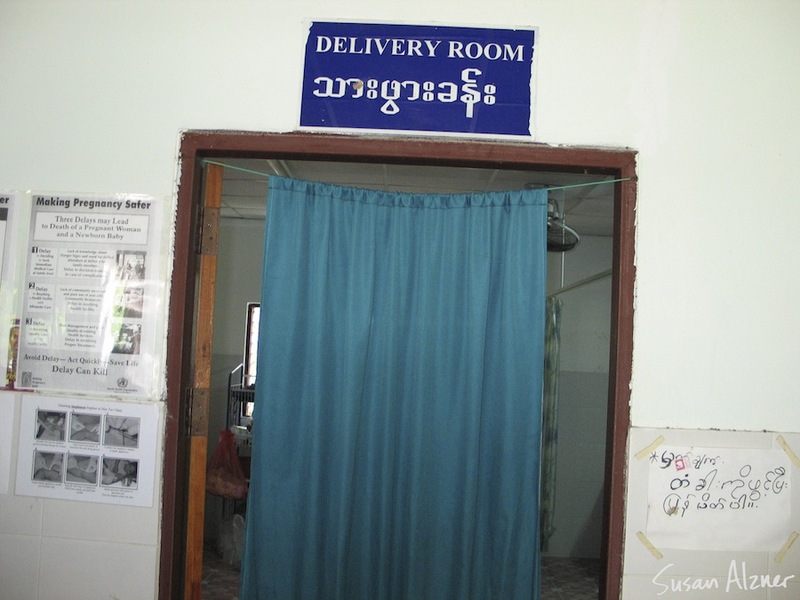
x=398, y=402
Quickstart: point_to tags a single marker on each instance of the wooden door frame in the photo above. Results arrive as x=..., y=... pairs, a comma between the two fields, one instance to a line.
x=198, y=145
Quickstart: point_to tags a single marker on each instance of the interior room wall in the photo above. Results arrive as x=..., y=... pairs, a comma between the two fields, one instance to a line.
x=583, y=395
x=239, y=267
x=96, y=94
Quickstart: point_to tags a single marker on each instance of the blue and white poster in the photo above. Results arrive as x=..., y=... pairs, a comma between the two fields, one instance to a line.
x=418, y=78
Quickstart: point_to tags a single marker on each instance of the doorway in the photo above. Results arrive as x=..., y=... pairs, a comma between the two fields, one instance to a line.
x=191, y=283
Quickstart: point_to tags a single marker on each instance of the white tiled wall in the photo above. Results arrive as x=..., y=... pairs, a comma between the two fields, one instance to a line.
x=90, y=573
x=100, y=522
x=19, y=565
x=21, y=515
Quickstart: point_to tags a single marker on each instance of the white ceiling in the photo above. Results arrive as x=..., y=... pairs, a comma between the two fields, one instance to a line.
x=586, y=201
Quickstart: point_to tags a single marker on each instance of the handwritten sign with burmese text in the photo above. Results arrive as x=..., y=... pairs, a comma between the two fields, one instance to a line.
x=718, y=498
x=418, y=78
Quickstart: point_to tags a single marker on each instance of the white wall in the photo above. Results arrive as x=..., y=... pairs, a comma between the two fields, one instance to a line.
x=95, y=94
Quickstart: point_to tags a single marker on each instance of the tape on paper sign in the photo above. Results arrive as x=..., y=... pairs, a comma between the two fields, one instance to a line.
x=785, y=550
x=644, y=452
x=789, y=452
x=649, y=545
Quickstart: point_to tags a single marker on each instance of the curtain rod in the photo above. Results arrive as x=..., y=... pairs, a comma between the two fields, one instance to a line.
x=581, y=282
x=559, y=187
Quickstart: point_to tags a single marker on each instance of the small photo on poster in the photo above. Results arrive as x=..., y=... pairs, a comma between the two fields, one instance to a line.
x=82, y=469
x=130, y=265
x=122, y=432
x=47, y=466
x=129, y=302
x=120, y=472
x=128, y=339
x=85, y=427
x=50, y=425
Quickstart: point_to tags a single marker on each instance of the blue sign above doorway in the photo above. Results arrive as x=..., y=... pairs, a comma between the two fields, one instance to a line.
x=418, y=78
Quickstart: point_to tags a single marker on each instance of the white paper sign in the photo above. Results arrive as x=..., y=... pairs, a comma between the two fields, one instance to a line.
x=718, y=498
x=87, y=450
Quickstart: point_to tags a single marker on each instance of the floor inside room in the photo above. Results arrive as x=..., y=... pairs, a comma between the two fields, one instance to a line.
x=220, y=578
x=570, y=578
x=562, y=578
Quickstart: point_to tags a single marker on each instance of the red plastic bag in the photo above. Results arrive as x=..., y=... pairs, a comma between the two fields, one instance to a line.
x=225, y=476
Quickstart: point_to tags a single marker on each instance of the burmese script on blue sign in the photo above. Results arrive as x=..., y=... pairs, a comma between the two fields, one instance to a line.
x=418, y=78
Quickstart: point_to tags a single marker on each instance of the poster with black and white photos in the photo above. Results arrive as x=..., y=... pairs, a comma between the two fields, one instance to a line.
x=87, y=450
x=93, y=295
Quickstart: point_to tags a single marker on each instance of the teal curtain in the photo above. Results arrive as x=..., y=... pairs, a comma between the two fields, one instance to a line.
x=398, y=402
x=552, y=344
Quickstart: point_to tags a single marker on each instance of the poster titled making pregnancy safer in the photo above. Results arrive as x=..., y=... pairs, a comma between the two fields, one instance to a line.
x=92, y=294
x=418, y=78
